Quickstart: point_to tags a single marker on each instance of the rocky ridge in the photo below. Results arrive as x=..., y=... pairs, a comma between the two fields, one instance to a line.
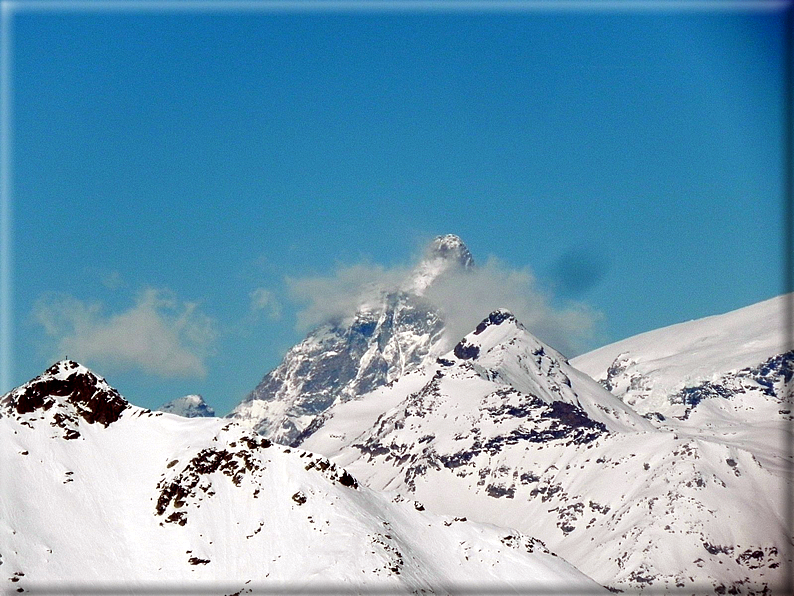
x=344, y=359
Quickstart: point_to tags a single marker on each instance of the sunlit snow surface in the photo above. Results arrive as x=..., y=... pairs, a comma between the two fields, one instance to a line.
x=504, y=430
x=97, y=492
x=648, y=368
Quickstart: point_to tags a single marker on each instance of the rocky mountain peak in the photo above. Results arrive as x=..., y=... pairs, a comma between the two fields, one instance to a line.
x=497, y=317
x=339, y=361
x=188, y=406
x=66, y=392
x=444, y=254
x=449, y=247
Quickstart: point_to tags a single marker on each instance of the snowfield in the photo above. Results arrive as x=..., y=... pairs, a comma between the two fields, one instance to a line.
x=97, y=492
x=646, y=369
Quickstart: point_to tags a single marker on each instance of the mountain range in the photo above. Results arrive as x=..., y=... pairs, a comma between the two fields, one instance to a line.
x=504, y=430
x=103, y=496
x=382, y=449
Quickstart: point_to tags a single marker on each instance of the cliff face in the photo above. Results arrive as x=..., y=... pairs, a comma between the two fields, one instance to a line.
x=341, y=360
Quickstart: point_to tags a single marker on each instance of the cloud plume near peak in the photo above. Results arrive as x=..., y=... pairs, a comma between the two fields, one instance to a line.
x=158, y=335
x=466, y=297
x=463, y=296
x=339, y=295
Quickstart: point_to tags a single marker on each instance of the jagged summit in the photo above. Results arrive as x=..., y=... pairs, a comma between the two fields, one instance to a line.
x=444, y=254
x=450, y=248
x=188, y=406
x=65, y=393
x=497, y=317
x=338, y=361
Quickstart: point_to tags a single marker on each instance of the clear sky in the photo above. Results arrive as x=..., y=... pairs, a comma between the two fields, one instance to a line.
x=179, y=180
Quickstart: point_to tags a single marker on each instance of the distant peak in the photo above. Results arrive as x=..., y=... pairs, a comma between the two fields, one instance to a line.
x=449, y=248
x=444, y=254
x=189, y=406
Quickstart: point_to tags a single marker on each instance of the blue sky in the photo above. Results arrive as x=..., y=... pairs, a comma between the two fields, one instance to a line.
x=180, y=179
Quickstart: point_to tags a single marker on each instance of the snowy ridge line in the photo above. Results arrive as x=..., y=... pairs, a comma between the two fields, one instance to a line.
x=333, y=589
x=237, y=589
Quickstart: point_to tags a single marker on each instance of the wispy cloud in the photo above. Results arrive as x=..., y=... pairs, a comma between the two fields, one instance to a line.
x=263, y=300
x=112, y=280
x=339, y=295
x=464, y=298
x=159, y=334
x=467, y=297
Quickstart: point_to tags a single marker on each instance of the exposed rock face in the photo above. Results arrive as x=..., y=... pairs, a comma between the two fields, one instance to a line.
x=770, y=379
x=341, y=360
x=63, y=394
x=189, y=406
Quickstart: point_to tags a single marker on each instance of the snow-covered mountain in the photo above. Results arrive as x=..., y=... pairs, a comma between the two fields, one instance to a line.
x=726, y=377
x=188, y=406
x=504, y=430
x=649, y=371
x=99, y=494
x=343, y=359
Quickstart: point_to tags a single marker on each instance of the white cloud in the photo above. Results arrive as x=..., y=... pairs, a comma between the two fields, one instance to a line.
x=465, y=298
x=263, y=299
x=158, y=335
x=339, y=295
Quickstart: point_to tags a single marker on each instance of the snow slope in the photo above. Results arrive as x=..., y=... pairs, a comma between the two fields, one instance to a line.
x=645, y=370
x=503, y=430
x=728, y=378
x=97, y=493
